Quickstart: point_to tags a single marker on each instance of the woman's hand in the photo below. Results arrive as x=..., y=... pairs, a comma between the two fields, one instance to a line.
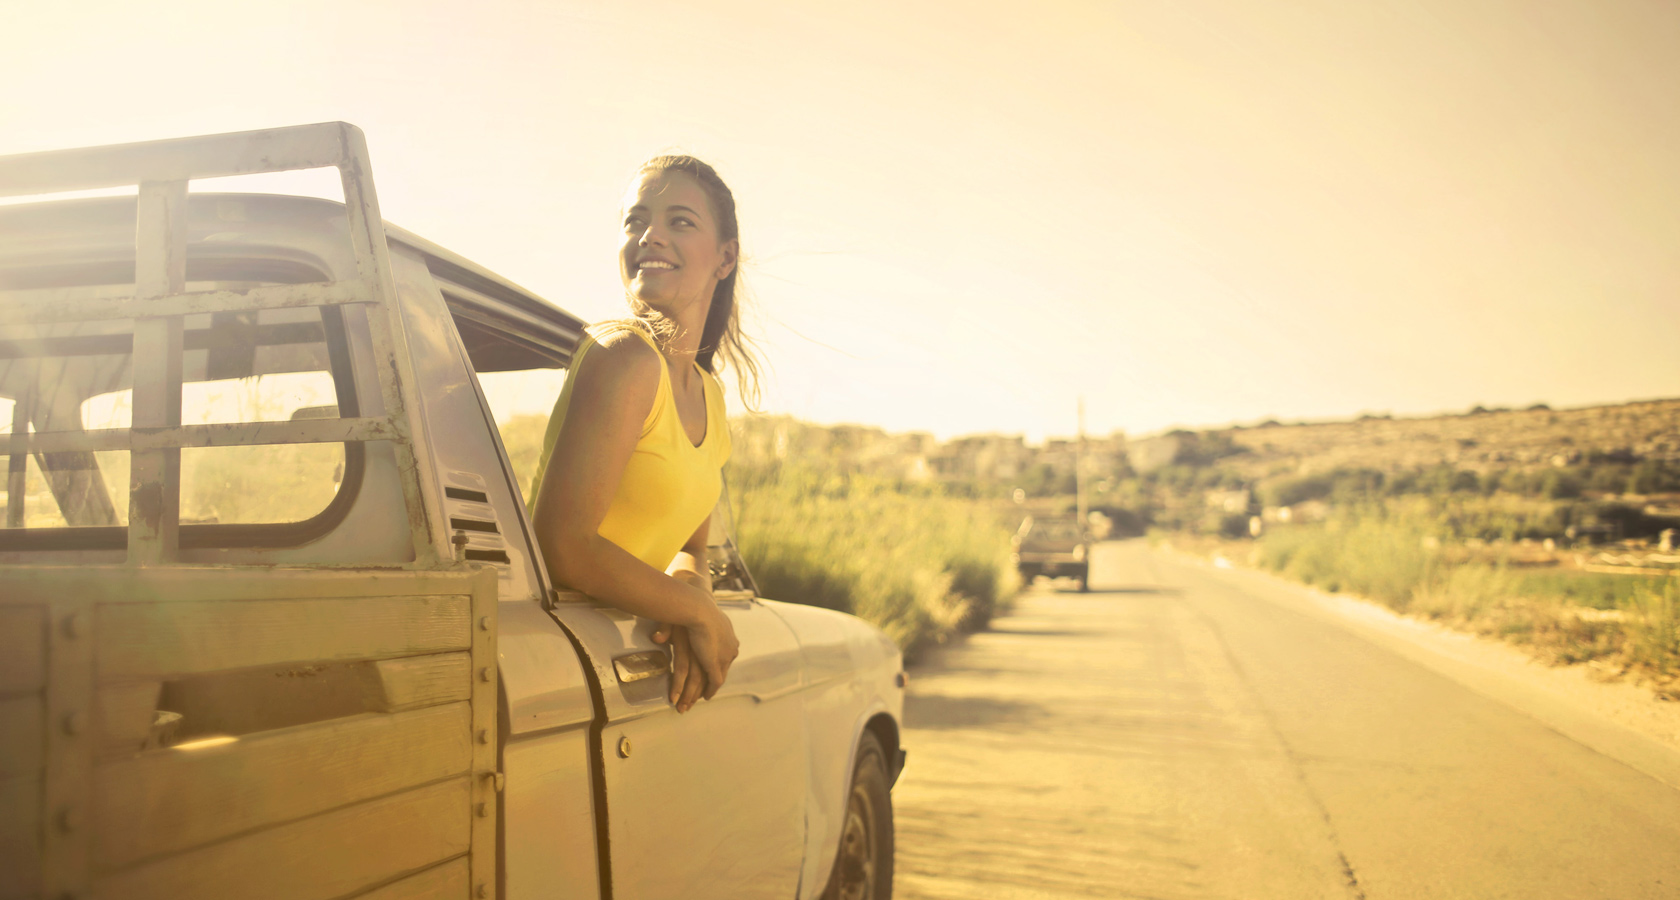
x=701, y=655
x=715, y=647
x=688, y=680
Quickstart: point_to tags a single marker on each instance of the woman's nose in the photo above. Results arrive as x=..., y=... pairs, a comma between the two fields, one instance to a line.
x=649, y=238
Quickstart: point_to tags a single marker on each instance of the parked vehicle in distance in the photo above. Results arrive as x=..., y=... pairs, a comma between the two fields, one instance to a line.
x=272, y=621
x=1053, y=546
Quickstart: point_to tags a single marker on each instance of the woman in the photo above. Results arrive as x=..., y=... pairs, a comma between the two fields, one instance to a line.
x=632, y=458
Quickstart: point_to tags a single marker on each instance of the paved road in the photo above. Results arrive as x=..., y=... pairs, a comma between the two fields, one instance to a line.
x=1182, y=732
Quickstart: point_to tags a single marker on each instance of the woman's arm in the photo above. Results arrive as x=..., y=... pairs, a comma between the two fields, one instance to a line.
x=688, y=680
x=690, y=566
x=612, y=392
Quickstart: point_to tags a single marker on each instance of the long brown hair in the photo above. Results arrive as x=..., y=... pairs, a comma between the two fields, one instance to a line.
x=721, y=336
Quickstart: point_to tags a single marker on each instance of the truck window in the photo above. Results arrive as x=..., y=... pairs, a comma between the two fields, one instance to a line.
x=264, y=366
x=520, y=401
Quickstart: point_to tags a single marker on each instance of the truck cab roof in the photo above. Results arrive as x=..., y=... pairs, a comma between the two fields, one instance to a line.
x=69, y=243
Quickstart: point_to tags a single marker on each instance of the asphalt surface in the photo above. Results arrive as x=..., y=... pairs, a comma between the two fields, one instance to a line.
x=1184, y=732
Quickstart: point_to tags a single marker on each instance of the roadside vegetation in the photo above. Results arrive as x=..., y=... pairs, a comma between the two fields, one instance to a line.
x=1562, y=542
x=920, y=564
x=1625, y=625
x=919, y=560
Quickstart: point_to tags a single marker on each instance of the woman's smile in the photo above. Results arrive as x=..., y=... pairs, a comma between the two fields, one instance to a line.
x=655, y=266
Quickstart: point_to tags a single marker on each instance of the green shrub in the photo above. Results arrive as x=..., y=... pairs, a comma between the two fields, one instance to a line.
x=1560, y=485
x=1298, y=489
x=1653, y=625
x=1400, y=555
x=1385, y=560
x=920, y=565
x=523, y=436
x=1342, y=485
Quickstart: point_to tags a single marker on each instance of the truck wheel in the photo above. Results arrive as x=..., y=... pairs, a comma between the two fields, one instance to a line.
x=863, y=869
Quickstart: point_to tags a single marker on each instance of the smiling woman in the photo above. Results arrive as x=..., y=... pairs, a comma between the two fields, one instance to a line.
x=632, y=459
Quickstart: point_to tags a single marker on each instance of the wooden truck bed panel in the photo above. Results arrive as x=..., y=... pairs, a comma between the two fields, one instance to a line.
x=398, y=797
x=152, y=640
x=326, y=856
x=436, y=883
x=20, y=841
x=162, y=802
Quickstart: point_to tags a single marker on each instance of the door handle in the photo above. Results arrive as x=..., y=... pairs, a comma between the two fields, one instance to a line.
x=642, y=665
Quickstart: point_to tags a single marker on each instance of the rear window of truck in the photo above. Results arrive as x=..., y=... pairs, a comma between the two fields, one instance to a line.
x=263, y=366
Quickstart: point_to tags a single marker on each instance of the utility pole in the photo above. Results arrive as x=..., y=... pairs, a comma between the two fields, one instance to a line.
x=1079, y=468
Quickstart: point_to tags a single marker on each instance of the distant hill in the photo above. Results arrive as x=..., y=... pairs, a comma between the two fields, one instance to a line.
x=1484, y=441
x=1606, y=472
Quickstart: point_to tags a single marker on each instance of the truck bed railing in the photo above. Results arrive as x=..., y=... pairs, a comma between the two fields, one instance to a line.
x=159, y=301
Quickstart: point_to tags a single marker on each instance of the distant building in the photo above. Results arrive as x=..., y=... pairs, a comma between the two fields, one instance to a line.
x=984, y=458
x=1153, y=452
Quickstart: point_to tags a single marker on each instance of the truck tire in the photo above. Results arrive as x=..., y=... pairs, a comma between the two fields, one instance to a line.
x=863, y=868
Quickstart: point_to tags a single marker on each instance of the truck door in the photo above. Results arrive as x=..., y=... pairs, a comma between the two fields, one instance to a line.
x=708, y=803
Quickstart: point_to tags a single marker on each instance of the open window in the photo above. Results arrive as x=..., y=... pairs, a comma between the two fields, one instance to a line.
x=729, y=571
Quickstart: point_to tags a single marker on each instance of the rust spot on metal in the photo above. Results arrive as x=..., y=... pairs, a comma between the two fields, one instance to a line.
x=146, y=505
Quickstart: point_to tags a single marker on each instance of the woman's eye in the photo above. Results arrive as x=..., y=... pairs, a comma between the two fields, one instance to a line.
x=633, y=223
x=680, y=220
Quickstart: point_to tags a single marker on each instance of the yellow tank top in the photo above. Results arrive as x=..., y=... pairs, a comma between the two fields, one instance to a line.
x=670, y=485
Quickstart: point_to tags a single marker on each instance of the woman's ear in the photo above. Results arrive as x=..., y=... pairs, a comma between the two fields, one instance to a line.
x=731, y=250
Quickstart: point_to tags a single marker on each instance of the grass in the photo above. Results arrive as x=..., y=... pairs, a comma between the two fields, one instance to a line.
x=919, y=564
x=1629, y=624
x=522, y=437
x=1383, y=560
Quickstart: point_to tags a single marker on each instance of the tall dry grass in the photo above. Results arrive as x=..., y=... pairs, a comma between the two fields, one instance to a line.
x=1626, y=623
x=920, y=565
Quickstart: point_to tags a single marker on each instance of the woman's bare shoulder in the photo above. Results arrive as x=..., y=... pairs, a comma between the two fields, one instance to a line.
x=621, y=365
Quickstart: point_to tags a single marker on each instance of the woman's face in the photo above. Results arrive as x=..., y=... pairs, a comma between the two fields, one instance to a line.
x=672, y=257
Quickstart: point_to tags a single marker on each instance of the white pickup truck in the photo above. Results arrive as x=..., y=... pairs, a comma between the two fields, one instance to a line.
x=272, y=622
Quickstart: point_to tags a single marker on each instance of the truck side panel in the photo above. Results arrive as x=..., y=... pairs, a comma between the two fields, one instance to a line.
x=305, y=797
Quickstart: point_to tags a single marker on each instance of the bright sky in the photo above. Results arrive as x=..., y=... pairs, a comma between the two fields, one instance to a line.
x=959, y=217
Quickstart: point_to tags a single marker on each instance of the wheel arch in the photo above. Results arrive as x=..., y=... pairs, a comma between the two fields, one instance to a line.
x=885, y=729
